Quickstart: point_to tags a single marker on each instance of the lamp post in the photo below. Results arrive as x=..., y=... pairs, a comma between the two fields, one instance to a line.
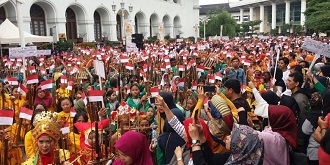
x=204, y=20
x=122, y=8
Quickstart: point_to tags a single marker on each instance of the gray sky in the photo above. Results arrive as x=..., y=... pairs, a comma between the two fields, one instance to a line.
x=205, y=2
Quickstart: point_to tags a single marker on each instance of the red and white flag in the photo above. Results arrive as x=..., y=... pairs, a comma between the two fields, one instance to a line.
x=182, y=68
x=128, y=90
x=22, y=89
x=195, y=53
x=64, y=80
x=168, y=65
x=25, y=113
x=145, y=68
x=43, y=70
x=211, y=79
x=163, y=68
x=166, y=59
x=190, y=64
x=200, y=68
x=12, y=81
x=33, y=79
x=218, y=76
x=123, y=59
x=48, y=84
x=95, y=95
x=32, y=69
x=6, y=117
x=72, y=112
x=181, y=83
x=70, y=85
x=74, y=70
x=83, y=97
x=154, y=91
x=243, y=88
x=129, y=66
x=194, y=86
x=66, y=128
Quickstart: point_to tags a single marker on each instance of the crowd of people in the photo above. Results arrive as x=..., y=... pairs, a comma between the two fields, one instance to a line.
x=240, y=101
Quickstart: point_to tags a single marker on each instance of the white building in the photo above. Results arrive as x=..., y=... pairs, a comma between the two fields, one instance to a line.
x=95, y=19
x=272, y=13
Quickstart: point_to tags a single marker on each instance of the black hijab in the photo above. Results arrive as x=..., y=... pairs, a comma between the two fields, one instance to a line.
x=270, y=97
x=169, y=139
x=291, y=103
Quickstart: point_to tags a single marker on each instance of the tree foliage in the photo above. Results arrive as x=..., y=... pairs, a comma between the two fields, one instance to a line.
x=318, y=15
x=221, y=17
x=249, y=26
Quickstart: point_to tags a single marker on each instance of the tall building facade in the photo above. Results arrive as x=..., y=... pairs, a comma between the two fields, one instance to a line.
x=272, y=13
x=93, y=20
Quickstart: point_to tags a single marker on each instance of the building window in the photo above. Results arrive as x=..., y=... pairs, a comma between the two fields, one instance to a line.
x=295, y=12
x=71, y=24
x=118, y=18
x=37, y=25
x=280, y=13
x=97, y=26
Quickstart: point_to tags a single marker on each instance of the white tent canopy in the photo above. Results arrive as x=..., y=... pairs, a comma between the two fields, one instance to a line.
x=9, y=34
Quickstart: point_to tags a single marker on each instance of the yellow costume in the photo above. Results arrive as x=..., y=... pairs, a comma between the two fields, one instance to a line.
x=63, y=154
x=15, y=155
x=6, y=102
x=17, y=104
x=67, y=119
x=74, y=146
x=46, y=124
x=63, y=92
x=30, y=145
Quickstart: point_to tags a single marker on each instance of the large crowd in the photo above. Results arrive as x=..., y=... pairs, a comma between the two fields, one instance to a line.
x=238, y=101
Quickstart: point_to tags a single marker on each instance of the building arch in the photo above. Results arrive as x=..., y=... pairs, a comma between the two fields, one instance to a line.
x=9, y=11
x=140, y=22
x=75, y=22
x=103, y=25
x=38, y=20
x=167, y=25
x=177, y=26
x=3, y=15
x=154, y=25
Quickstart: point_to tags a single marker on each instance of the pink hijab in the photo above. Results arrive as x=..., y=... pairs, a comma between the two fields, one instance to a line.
x=134, y=145
x=47, y=100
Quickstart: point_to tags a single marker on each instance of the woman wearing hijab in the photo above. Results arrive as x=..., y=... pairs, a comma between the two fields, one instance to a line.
x=44, y=96
x=168, y=139
x=133, y=152
x=320, y=108
x=251, y=148
x=281, y=133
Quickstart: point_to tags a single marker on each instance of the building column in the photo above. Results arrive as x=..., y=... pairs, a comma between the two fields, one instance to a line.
x=113, y=28
x=302, y=15
x=90, y=31
x=60, y=27
x=251, y=14
x=262, y=18
x=170, y=27
x=241, y=12
x=287, y=12
x=273, y=15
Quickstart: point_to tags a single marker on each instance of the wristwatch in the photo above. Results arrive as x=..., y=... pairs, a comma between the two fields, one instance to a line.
x=195, y=142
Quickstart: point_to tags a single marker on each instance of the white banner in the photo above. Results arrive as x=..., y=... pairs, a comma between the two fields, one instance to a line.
x=316, y=47
x=99, y=68
x=20, y=52
x=44, y=52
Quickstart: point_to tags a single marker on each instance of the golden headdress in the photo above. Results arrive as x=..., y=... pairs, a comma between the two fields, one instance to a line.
x=46, y=123
x=124, y=112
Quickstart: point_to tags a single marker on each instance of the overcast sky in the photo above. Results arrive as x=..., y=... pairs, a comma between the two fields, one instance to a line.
x=205, y=2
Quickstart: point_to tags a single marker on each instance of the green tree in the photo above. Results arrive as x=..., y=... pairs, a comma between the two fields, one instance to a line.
x=318, y=15
x=249, y=26
x=220, y=17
